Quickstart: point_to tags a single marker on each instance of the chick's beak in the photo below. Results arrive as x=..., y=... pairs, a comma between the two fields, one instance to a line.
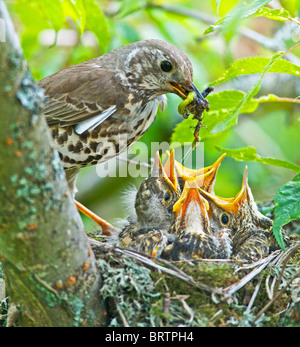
x=190, y=194
x=231, y=204
x=170, y=172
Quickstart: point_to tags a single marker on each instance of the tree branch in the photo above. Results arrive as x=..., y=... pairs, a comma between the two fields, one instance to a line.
x=50, y=269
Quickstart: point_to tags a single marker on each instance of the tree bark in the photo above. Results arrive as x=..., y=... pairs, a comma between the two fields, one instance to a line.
x=50, y=270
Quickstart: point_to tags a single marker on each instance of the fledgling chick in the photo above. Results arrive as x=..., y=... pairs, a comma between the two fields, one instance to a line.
x=249, y=229
x=192, y=228
x=147, y=228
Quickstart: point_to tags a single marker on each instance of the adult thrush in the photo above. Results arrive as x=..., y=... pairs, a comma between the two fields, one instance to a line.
x=96, y=109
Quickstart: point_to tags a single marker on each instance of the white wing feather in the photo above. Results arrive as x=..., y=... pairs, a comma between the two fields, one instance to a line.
x=92, y=123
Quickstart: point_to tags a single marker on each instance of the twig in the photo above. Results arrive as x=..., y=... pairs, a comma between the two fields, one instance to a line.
x=269, y=292
x=290, y=49
x=121, y=313
x=188, y=310
x=204, y=17
x=259, y=262
x=278, y=294
x=283, y=258
x=277, y=284
x=287, y=253
x=13, y=313
x=166, y=303
x=166, y=266
x=255, y=292
x=46, y=285
x=216, y=315
x=134, y=162
x=227, y=292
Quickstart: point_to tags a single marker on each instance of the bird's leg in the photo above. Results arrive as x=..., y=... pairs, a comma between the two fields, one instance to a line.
x=107, y=228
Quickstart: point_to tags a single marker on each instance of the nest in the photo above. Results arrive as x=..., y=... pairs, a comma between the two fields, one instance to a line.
x=145, y=292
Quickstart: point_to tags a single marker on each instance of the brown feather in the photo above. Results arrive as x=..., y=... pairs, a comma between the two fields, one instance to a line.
x=70, y=91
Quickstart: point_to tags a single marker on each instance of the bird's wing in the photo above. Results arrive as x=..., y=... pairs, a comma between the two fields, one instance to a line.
x=91, y=123
x=82, y=95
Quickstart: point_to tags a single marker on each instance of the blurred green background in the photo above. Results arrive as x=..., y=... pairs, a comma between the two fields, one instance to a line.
x=51, y=41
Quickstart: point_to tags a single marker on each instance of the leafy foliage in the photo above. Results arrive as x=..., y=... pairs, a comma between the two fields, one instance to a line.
x=95, y=17
x=39, y=15
x=255, y=81
x=256, y=65
x=248, y=53
x=249, y=154
x=277, y=14
x=240, y=11
x=287, y=206
x=222, y=105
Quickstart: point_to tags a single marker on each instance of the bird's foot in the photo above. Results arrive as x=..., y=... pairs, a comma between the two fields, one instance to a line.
x=107, y=228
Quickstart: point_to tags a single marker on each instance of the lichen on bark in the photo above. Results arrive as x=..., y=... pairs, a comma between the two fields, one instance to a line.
x=50, y=270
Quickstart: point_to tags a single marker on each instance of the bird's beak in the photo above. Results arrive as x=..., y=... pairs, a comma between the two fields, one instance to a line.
x=192, y=210
x=190, y=193
x=183, y=91
x=210, y=176
x=167, y=172
x=204, y=177
x=231, y=204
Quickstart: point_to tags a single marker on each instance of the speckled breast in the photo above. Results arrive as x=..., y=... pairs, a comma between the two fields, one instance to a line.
x=106, y=141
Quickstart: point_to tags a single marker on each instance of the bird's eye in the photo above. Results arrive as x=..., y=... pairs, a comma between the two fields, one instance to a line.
x=181, y=185
x=224, y=218
x=166, y=66
x=167, y=196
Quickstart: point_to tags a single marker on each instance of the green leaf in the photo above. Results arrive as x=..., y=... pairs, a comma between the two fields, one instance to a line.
x=254, y=6
x=75, y=10
x=239, y=12
x=227, y=99
x=53, y=11
x=291, y=5
x=223, y=7
x=130, y=6
x=249, y=154
x=276, y=14
x=256, y=65
x=287, y=207
x=36, y=16
x=231, y=118
x=96, y=22
x=221, y=104
x=184, y=131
